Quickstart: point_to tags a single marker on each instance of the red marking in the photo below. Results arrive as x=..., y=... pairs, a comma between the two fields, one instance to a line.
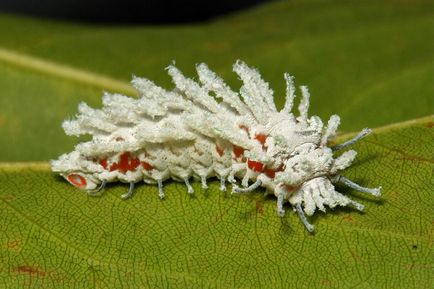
x=134, y=163
x=113, y=167
x=242, y=126
x=219, y=150
x=13, y=244
x=348, y=218
x=77, y=180
x=259, y=208
x=126, y=163
x=147, y=166
x=29, y=270
x=238, y=151
x=327, y=282
x=261, y=138
x=271, y=173
x=103, y=163
x=255, y=166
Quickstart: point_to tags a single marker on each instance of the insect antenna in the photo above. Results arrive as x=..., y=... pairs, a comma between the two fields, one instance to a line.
x=373, y=191
x=362, y=134
x=129, y=193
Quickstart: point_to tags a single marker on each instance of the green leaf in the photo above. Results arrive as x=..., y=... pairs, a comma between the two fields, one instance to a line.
x=58, y=237
x=362, y=60
x=369, y=62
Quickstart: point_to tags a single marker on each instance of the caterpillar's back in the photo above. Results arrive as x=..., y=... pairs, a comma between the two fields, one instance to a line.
x=204, y=129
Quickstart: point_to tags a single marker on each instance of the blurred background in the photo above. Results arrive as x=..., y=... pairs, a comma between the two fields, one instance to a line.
x=127, y=11
x=368, y=61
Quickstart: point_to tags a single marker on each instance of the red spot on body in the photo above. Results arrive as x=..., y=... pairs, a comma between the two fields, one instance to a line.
x=261, y=138
x=255, y=166
x=242, y=126
x=103, y=163
x=77, y=180
x=113, y=167
x=134, y=163
x=147, y=166
x=271, y=173
x=126, y=163
x=219, y=150
x=123, y=163
x=238, y=151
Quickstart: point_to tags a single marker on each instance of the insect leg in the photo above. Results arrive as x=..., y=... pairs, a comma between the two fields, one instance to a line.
x=245, y=181
x=160, y=189
x=302, y=217
x=95, y=192
x=189, y=187
x=356, y=205
x=235, y=169
x=231, y=179
x=129, y=193
x=203, y=180
x=280, y=210
x=252, y=187
x=222, y=184
x=373, y=191
x=362, y=134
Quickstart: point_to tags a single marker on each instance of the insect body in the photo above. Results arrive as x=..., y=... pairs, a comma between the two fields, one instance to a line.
x=204, y=129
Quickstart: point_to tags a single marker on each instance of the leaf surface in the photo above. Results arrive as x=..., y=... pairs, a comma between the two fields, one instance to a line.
x=369, y=62
x=58, y=237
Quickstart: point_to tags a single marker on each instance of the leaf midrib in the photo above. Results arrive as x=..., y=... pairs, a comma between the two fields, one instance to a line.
x=51, y=68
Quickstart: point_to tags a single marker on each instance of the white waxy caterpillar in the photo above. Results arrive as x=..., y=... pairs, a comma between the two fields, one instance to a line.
x=204, y=129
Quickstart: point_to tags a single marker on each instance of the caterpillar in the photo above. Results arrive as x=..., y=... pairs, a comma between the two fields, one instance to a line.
x=203, y=129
